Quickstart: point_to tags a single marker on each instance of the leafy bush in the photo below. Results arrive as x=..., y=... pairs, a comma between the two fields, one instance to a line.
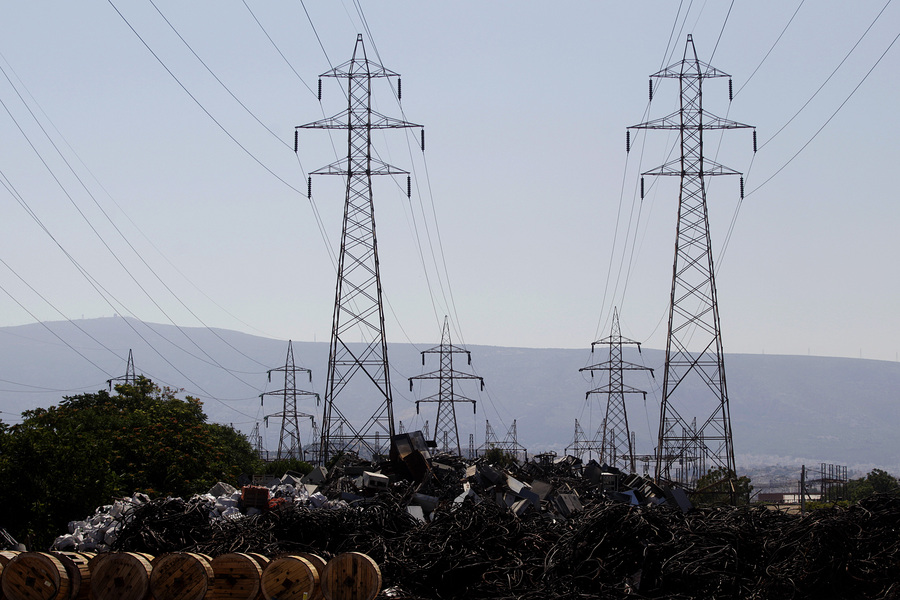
x=62, y=462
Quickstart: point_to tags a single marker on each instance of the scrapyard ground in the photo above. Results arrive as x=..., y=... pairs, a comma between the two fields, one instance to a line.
x=538, y=530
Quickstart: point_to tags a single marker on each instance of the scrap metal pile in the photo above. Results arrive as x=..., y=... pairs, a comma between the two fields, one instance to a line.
x=540, y=530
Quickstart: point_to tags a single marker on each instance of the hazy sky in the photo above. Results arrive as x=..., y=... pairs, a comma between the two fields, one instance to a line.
x=524, y=224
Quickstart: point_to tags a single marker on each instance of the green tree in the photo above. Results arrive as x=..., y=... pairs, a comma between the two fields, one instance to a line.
x=62, y=462
x=722, y=486
x=876, y=482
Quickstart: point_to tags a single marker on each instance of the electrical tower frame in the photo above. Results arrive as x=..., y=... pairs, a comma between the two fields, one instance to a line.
x=358, y=306
x=289, y=445
x=129, y=377
x=446, y=431
x=582, y=444
x=616, y=439
x=693, y=307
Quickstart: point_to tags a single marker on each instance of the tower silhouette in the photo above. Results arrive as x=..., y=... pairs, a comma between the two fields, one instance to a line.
x=358, y=307
x=128, y=378
x=616, y=447
x=289, y=445
x=694, y=369
x=446, y=432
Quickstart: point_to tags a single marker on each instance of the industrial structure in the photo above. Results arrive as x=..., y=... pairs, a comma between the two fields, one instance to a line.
x=358, y=307
x=616, y=441
x=446, y=431
x=128, y=378
x=289, y=445
x=694, y=377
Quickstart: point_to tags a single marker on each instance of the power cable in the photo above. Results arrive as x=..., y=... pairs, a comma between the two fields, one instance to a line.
x=122, y=235
x=775, y=43
x=836, y=111
x=827, y=79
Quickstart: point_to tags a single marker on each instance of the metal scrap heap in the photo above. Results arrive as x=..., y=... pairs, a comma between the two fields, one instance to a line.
x=445, y=528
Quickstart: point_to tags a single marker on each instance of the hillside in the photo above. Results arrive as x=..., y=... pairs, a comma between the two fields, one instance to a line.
x=785, y=409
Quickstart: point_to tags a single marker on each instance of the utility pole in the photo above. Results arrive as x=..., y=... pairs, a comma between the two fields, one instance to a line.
x=445, y=427
x=128, y=378
x=289, y=445
x=358, y=307
x=616, y=447
x=694, y=376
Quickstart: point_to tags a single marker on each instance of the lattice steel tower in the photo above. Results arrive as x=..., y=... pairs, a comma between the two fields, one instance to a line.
x=289, y=445
x=446, y=432
x=358, y=308
x=694, y=377
x=129, y=377
x=616, y=447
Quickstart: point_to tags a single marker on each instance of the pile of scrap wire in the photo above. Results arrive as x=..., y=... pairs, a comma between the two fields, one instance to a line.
x=609, y=550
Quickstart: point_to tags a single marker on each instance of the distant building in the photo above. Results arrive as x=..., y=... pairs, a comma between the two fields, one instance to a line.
x=785, y=498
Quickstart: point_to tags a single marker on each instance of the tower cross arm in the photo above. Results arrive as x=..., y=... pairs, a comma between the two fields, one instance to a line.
x=610, y=365
x=342, y=120
x=445, y=374
x=609, y=389
x=706, y=120
x=690, y=68
x=675, y=167
x=356, y=67
x=376, y=167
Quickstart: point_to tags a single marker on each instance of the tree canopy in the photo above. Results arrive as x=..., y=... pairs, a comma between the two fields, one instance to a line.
x=62, y=462
x=876, y=482
x=722, y=486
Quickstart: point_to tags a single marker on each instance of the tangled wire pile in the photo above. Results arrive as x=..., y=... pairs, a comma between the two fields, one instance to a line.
x=610, y=550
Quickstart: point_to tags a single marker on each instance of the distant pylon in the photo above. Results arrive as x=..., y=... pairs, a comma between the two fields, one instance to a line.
x=256, y=441
x=581, y=444
x=616, y=448
x=358, y=307
x=289, y=445
x=511, y=442
x=694, y=378
x=490, y=438
x=128, y=378
x=445, y=427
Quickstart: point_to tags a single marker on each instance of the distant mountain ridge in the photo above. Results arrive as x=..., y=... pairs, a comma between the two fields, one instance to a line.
x=785, y=409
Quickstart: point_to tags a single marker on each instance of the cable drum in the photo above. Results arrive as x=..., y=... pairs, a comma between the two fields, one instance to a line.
x=35, y=576
x=351, y=576
x=289, y=578
x=78, y=570
x=181, y=576
x=237, y=576
x=121, y=576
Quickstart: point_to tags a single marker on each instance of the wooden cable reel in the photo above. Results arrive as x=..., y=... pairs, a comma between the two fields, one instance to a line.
x=237, y=576
x=121, y=576
x=351, y=576
x=35, y=576
x=319, y=563
x=78, y=572
x=289, y=578
x=181, y=576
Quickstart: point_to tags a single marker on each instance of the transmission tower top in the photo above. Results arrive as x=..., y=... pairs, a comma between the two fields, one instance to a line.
x=358, y=359
x=695, y=365
x=446, y=431
x=128, y=378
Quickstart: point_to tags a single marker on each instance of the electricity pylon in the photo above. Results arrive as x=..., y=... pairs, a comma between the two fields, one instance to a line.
x=445, y=427
x=128, y=378
x=616, y=447
x=358, y=308
x=255, y=439
x=694, y=377
x=289, y=445
x=581, y=444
